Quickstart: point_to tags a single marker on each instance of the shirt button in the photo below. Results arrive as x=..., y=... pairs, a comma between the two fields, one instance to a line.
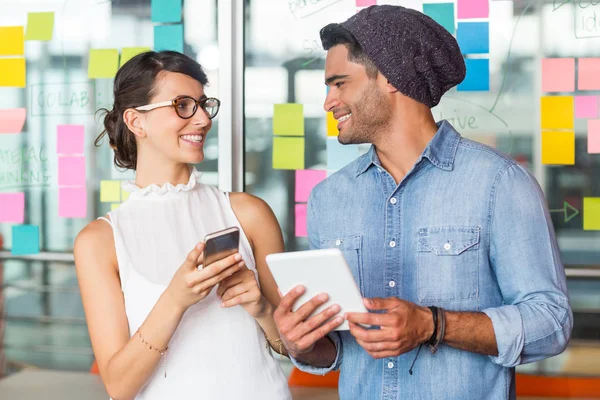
x=390, y=365
x=392, y=244
x=393, y=200
x=392, y=283
x=338, y=242
x=447, y=246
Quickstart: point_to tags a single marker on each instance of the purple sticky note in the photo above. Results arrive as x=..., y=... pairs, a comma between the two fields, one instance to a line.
x=12, y=207
x=72, y=202
x=306, y=180
x=70, y=139
x=365, y=3
x=301, y=220
x=473, y=9
x=594, y=136
x=71, y=171
x=586, y=106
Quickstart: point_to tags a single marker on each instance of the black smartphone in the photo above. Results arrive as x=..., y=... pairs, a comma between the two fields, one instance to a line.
x=220, y=244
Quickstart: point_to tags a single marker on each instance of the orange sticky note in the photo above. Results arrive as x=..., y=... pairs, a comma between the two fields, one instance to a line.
x=12, y=41
x=558, y=148
x=13, y=72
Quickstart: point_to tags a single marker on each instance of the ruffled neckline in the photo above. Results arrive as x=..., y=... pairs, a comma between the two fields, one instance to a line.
x=155, y=190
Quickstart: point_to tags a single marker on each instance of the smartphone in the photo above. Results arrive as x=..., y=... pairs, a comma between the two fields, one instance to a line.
x=220, y=244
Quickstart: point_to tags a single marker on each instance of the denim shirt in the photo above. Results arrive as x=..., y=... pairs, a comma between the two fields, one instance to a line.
x=467, y=229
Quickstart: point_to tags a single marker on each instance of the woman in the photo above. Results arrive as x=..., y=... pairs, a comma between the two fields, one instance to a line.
x=158, y=329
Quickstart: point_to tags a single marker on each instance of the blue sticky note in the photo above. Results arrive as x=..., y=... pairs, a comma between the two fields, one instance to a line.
x=25, y=239
x=442, y=13
x=473, y=37
x=339, y=155
x=166, y=10
x=168, y=37
x=478, y=75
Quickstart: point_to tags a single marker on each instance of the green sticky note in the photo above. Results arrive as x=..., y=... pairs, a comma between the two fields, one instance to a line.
x=103, y=63
x=39, y=26
x=288, y=119
x=127, y=53
x=110, y=191
x=288, y=153
x=25, y=239
x=442, y=13
x=591, y=213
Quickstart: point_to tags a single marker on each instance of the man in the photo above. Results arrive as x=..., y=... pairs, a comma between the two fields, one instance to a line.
x=449, y=241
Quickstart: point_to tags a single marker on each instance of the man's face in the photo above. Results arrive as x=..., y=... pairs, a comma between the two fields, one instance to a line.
x=360, y=106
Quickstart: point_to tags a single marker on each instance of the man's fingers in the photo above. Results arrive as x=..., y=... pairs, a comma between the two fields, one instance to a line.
x=369, y=335
x=378, y=303
x=288, y=301
x=320, y=332
x=317, y=320
x=368, y=318
x=310, y=306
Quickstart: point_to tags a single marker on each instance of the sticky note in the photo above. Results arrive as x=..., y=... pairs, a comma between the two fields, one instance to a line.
x=70, y=139
x=25, y=240
x=301, y=220
x=72, y=202
x=71, y=171
x=288, y=153
x=478, y=75
x=593, y=136
x=558, y=148
x=12, y=120
x=124, y=195
x=13, y=72
x=12, y=207
x=557, y=112
x=103, y=63
x=588, y=74
x=12, y=41
x=473, y=9
x=110, y=191
x=127, y=53
x=442, y=13
x=473, y=37
x=306, y=180
x=591, y=213
x=114, y=206
x=586, y=106
x=39, y=26
x=332, y=129
x=166, y=10
x=558, y=75
x=339, y=155
x=288, y=119
x=168, y=37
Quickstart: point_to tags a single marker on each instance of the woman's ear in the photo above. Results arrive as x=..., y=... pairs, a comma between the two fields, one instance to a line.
x=135, y=122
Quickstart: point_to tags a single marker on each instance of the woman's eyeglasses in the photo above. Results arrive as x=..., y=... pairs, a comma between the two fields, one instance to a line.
x=186, y=106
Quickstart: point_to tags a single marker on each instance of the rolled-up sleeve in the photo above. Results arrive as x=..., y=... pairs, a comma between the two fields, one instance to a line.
x=536, y=320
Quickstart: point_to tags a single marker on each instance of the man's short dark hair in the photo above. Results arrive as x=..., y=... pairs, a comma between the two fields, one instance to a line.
x=336, y=34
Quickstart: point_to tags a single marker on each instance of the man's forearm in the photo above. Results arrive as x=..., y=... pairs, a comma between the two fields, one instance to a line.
x=321, y=356
x=470, y=331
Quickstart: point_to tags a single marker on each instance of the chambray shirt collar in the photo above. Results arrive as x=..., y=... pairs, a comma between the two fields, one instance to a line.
x=440, y=151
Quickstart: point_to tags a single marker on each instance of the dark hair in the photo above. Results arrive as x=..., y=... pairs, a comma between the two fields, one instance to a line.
x=335, y=34
x=134, y=86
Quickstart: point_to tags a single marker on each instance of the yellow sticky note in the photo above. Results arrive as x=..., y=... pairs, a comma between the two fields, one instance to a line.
x=558, y=148
x=124, y=195
x=288, y=153
x=39, y=26
x=12, y=72
x=288, y=119
x=12, y=41
x=103, y=63
x=114, y=206
x=558, y=112
x=110, y=191
x=591, y=213
x=127, y=53
x=332, y=129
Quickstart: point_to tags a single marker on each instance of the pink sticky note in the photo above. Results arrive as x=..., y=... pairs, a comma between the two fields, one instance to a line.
x=69, y=139
x=586, y=106
x=12, y=120
x=306, y=180
x=12, y=207
x=365, y=3
x=558, y=75
x=589, y=74
x=71, y=171
x=301, y=220
x=473, y=9
x=594, y=136
x=72, y=202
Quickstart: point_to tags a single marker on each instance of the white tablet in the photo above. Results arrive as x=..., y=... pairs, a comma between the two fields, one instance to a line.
x=319, y=271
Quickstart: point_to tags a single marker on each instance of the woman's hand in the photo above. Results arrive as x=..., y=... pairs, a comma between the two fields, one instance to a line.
x=242, y=288
x=190, y=285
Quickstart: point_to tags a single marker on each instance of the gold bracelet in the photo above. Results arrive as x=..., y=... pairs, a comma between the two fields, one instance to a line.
x=163, y=353
x=277, y=341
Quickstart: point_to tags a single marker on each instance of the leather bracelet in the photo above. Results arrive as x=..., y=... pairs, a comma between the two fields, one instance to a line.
x=434, y=313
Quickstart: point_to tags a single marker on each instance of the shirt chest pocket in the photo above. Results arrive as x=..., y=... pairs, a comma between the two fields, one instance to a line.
x=351, y=247
x=448, y=263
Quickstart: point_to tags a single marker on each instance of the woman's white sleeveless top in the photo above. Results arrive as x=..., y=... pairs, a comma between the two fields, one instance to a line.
x=215, y=353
